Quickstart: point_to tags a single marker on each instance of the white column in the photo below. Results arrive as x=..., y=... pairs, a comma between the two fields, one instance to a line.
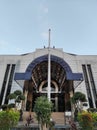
x=25, y=101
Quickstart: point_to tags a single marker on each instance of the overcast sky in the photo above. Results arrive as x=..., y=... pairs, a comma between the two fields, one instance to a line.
x=24, y=25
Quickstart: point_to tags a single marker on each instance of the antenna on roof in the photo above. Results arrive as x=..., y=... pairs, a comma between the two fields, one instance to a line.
x=49, y=40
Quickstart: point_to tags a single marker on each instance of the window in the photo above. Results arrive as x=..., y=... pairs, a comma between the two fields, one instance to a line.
x=4, y=83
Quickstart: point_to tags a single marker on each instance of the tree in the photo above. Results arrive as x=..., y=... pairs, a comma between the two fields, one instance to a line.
x=8, y=119
x=17, y=96
x=77, y=100
x=43, y=109
x=78, y=96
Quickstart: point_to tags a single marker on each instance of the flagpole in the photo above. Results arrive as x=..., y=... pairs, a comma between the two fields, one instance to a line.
x=49, y=69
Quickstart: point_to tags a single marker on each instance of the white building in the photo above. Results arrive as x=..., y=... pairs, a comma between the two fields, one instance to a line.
x=29, y=72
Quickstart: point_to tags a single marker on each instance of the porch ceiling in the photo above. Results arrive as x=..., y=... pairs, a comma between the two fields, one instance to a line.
x=40, y=73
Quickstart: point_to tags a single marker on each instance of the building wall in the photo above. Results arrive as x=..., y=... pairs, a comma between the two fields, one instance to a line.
x=21, y=62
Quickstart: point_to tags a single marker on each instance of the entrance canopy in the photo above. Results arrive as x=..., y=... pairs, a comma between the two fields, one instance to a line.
x=37, y=71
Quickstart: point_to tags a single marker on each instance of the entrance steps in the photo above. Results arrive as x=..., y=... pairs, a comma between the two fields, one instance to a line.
x=57, y=117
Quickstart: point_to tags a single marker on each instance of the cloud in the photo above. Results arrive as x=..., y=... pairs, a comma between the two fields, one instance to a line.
x=44, y=35
x=45, y=10
x=18, y=50
x=3, y=44
x=7, y=48
x=42, y=16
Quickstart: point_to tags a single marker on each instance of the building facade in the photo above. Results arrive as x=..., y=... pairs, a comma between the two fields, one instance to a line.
x=69, y=73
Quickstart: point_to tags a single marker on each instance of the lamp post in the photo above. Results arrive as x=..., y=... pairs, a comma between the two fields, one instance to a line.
x=49, y=68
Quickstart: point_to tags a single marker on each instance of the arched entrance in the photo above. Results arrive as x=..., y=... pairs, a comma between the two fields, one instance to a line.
x=43, y=89
x=36, y=82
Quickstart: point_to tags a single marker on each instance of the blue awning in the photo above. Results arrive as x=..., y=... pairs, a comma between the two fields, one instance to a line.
x=21, y=77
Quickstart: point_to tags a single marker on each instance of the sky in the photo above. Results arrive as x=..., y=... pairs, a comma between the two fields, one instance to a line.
x=24, y=26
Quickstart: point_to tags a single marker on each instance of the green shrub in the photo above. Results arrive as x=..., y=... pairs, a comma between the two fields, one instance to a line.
x=8, y=119
x=86, y=120
x=94, y=116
